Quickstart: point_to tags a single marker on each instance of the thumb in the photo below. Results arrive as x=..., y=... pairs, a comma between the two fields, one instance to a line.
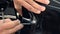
x=18, y=7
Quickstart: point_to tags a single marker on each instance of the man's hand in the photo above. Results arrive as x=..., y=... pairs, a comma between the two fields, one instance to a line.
x=9, y=26
x=30, y=5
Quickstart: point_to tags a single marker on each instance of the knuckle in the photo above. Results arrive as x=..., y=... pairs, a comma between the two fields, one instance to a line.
x=29, y=8
x=16, y=22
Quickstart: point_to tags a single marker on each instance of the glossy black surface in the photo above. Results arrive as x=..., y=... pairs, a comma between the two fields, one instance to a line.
x=48, y=22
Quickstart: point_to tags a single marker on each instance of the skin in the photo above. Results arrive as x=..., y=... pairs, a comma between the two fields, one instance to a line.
x=10, y=27
x=30, y=5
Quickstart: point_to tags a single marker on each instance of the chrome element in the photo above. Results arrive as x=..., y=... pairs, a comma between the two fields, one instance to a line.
x=56, y=1
x=53, y=6
x=32, y=19
x=9, y=16
x=2, y=12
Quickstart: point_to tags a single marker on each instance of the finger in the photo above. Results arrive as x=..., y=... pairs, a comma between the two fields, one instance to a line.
x=37, y=6
x=13, y=30
x=28, y=6
x=7, y=20
x=9, y=25
x=17, y=21
x=43, y=1
x=18, y=8
x=1, y=22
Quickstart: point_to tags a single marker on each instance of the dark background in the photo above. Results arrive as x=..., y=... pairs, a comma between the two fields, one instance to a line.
x=48, y=22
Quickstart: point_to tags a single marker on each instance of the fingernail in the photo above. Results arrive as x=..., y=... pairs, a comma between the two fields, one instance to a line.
x=18, y=21
x=38, y=12
x=43, y=8
x=47, y=2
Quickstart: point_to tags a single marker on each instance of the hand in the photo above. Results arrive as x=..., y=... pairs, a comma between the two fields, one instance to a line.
x=30, y=5
x=9, y=27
